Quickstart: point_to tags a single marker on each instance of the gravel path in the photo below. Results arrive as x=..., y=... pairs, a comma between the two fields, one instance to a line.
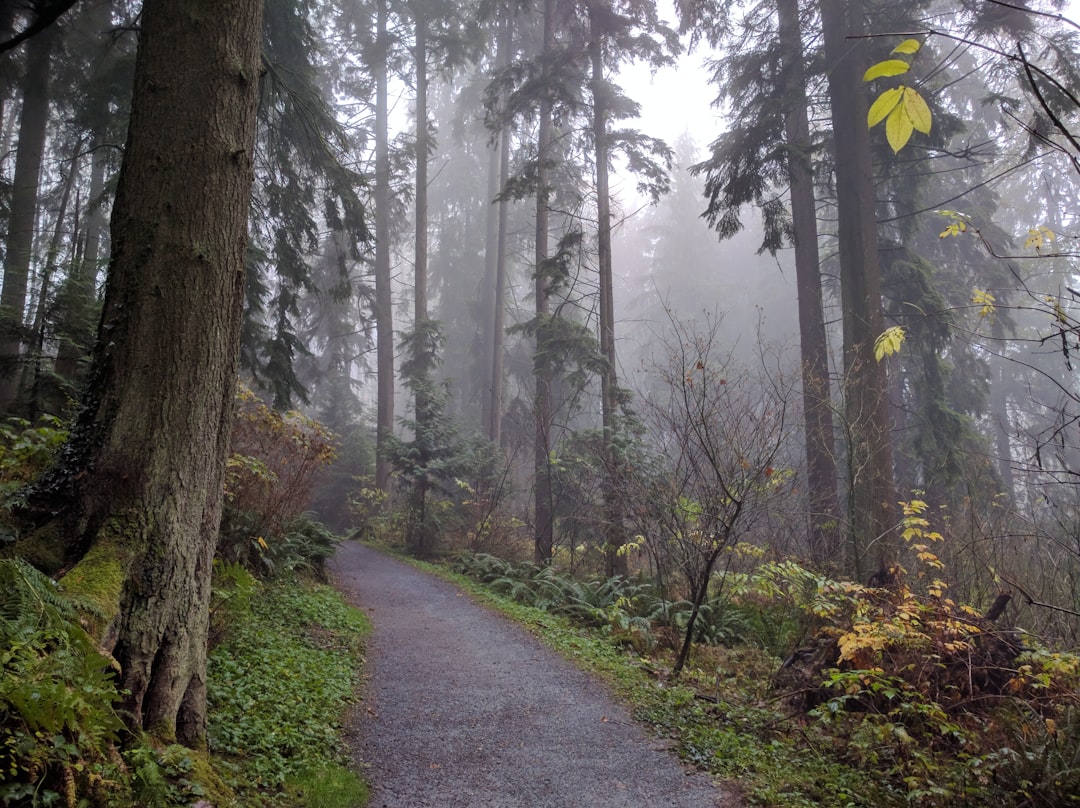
x=465, y=709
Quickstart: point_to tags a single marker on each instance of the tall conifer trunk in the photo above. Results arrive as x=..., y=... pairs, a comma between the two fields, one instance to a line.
x=24, y=204
x=498, y=264
x=814, y=350
x=544, y=528
x=141, y=478
x=614, y=561
x=872, y=497
x=384, y=313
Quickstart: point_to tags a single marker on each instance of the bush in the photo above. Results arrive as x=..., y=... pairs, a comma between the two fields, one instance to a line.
x=275, y=460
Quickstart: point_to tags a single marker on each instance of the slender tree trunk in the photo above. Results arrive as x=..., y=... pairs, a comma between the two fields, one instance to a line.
x=78, y=291
x=613, y=540
x=498, y=303
x=420, y=292
x=384, y=311
x=32, y=392
x=423, y=349
x=817, y=403
x=24, y=202
x=498, y=325
x=487, y=292
x=142, y=473
x=544, y=529
x=872, y=503
x=999, y=412
x=7, y=23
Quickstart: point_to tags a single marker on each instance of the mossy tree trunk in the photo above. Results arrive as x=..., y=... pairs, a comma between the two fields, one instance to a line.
x=140, y=481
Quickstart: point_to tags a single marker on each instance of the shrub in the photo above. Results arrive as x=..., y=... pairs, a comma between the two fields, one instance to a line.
x=275, y=460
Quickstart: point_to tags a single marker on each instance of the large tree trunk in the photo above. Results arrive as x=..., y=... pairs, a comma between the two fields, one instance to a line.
x=384, y=311
x=872, y=498
x=24, y=202
x=544, y=528
x=143, y=471
x=817, y=404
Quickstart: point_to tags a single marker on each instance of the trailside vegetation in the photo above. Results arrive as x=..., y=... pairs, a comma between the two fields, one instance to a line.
x=801, y=683
x=284, y=651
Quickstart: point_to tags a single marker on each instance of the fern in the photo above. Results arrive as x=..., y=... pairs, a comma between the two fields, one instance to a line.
x=57, y=695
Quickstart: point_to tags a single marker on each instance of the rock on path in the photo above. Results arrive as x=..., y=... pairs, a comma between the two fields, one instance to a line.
x=465, y=709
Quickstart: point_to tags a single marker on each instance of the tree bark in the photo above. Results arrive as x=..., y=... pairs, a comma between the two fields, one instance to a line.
x=544, y=528
x=384, y=312
x=872, y=498
x=24, y=202
x=31, y=393
x=615, y=563
x=821, y=476
x=142, y=473
x=79, y=285
x=498, y=314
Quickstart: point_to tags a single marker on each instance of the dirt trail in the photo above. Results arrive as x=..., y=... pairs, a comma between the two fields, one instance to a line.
x=464, y=709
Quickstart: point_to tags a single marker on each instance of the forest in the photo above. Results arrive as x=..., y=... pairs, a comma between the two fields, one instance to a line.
x=709, y=325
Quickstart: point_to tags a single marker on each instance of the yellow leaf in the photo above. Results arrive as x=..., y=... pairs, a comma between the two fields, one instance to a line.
x=889, y=342
x=985, y=300
x=908, y=47
x=890, y=67
x=885, y=103
x=917, y=110
x=898, y=128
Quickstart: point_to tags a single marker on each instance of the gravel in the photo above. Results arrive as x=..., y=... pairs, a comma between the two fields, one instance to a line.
x=465, y=709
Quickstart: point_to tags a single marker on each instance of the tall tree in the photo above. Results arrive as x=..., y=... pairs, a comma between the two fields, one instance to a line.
x=619, y=32
x=384, y=313
x=616, y=562
x=872, y=496
x=543, y=371
x=24, y=209
x=139, y=485
x=813, y=344
x=767, y=147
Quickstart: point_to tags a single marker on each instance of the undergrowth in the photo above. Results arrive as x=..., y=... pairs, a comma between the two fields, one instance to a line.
x=892, y=704
x=285, y=665
x=277, y=686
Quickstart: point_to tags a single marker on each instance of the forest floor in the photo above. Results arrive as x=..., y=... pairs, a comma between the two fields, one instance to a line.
x=465, y=709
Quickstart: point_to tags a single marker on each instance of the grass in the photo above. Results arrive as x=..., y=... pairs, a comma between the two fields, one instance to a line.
x=278, y=687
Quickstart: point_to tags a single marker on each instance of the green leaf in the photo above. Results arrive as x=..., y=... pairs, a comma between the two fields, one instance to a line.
x=889, y=342
x=890, y=67
x=917, y=110
x=908, y=47
x=898, y=128
x=884, y=104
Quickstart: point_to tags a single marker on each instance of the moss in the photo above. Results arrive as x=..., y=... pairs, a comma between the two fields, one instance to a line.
x=98, y=579
x=202, y=774
x=44, y=549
